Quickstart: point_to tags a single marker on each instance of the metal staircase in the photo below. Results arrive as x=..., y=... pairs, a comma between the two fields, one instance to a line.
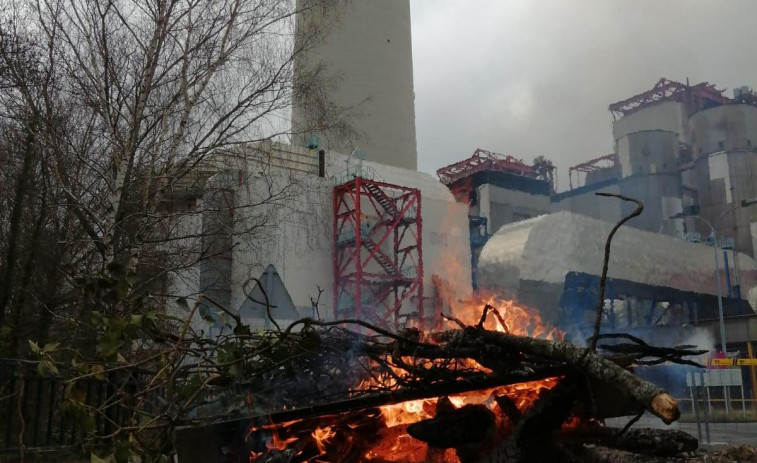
x=382, y=198
x=378, y=263
x=381, y=258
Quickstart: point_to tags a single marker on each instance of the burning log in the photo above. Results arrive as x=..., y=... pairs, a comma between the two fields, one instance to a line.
x=470, y=426
x=439, y=388
x=531, y=439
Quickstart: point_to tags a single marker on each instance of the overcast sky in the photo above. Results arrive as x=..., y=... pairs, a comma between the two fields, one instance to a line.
x=532, y=77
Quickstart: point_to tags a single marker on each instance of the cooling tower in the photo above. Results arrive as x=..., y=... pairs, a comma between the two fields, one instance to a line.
x=368, y=60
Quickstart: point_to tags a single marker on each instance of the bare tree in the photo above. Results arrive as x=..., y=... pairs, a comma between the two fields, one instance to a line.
x=111, y=111
x=110, y=106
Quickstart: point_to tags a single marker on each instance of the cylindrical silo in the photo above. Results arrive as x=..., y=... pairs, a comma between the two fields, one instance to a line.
x=724, y=128
x=367, y=59
x=649, y=165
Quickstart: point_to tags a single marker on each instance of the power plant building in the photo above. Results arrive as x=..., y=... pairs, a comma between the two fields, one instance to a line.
x=682, y=150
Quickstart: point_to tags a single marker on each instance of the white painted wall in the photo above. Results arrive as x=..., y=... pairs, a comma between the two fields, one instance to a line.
x=718, y=168
x=295, y=232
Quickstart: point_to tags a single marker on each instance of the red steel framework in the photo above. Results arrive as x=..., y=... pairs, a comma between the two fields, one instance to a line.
x=695, y=97
x=481, y=161
x=591, y=165
x=378, y=259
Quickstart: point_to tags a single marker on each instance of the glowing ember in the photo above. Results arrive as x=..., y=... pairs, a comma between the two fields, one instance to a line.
x=384, y=437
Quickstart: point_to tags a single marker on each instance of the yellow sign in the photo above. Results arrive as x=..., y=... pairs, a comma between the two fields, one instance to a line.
x=746, y=362
x=721, y=362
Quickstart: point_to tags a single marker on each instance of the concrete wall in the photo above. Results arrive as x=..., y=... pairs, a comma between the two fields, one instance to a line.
x=724, y=179
x=368, y=57
x=502, y=206
x=648, y=152
x=184, y=280
x=724, y=128
x=584, y=201
x=661, y=196
x=669, y=116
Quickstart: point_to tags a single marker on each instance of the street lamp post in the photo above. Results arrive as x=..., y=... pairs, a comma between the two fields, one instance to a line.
x=713, y=234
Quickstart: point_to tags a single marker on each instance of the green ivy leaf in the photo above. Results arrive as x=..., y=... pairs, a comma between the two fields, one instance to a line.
x=132, y=279
x=46, y=367
x=108, y=345
x=50, y=347
x=34, y=347
x=228, y=353
x=74, y=394
x=137, y=320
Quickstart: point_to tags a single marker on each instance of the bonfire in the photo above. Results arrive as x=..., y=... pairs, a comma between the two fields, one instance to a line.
x=491, y=383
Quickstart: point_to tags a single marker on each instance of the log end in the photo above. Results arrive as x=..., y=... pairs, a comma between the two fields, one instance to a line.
x=666, y=407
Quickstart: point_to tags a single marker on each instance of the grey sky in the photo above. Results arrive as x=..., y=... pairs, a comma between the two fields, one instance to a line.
x=535, y=77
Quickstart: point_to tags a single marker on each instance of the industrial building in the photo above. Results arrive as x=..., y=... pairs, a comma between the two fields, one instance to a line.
x=682, y=150
x=686, y=152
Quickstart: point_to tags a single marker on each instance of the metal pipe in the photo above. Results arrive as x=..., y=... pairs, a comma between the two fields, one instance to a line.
x=723, y=344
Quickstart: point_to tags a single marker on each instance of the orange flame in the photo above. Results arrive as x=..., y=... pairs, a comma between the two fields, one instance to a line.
x=321, y=436
x=278, y=443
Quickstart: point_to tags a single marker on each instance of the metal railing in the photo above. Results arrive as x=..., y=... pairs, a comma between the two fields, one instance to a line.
x=356, y=170
x=33, y=410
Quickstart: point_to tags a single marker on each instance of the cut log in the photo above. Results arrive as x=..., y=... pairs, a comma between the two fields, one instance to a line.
x=509, y=408
x=608, y=455
x=645, y=441
x=588, y=363
x=528, y=441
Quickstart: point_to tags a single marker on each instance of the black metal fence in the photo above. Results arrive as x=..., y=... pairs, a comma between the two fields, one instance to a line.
x=31, y=409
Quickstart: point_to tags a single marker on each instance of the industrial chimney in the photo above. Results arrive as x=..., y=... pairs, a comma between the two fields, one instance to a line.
x=368, y=55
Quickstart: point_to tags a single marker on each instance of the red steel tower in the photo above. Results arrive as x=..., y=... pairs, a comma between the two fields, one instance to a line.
x=378, y=261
